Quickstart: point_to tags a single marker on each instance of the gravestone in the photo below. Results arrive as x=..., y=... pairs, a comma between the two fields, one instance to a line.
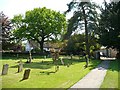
x=26, y=74
x=68, y=65
x=5, y=69
x=42, y=61
x=71, y=55
x=20, y=67
x=56, y=68
x=17, y=55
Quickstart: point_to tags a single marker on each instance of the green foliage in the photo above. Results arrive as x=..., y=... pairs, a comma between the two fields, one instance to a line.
x=6, y=36
x=45, y=22
x=85, y=17
x=40, y=24
x=76, y=43
x=18, y=26
x=77, y=21
x=109, y=30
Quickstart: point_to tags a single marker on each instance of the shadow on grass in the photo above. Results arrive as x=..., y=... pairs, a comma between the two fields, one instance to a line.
x=9, y=58
x=36, y=65
x=47, y=72
x=14, y=57
x=49, y=64
x=94, y=63
x=114, y=65
x=113, y=74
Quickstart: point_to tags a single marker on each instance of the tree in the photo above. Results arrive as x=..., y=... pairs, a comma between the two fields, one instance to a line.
x=85, y=17
x=5, y=32
x=109, y=29
x=19, y=27
x=76, y=44
x=40, y=24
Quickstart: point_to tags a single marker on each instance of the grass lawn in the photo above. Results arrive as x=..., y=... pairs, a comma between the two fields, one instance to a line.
x=111, y=78
x=64, y=78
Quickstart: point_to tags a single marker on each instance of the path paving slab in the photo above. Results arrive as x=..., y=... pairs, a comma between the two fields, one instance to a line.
x=94, y=78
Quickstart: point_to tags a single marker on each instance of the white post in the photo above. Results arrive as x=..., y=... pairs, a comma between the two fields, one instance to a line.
x=28, y=49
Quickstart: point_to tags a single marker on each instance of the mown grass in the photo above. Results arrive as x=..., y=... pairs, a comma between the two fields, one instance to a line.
x=43, y=75
x=112, y=77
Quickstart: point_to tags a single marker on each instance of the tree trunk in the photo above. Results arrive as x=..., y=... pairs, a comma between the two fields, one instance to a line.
x=86, y=34
x=41, y=44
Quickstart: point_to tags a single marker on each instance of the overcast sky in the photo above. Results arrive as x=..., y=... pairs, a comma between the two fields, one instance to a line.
x=13, y=7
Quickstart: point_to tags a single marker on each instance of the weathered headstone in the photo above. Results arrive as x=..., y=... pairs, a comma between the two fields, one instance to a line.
x=42, y=61
x=56, y=68
x=71, y=56
x=17, y=55
x=5, y=69
x=26, y=74
x=20, y=67
x=68, y=65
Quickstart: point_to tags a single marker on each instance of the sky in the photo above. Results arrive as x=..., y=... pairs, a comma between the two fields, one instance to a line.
x=14, y=7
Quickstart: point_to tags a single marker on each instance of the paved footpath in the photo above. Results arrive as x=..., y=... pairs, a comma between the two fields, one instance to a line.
x=94, y=78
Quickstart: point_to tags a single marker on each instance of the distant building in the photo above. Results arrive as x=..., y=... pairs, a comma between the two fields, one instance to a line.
x=111, y=53
x=46, y=46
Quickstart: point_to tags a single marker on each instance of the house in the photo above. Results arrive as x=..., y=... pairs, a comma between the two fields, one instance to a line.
x=107, y=52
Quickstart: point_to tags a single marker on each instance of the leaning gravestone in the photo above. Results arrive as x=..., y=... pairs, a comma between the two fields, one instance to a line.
x=5, y=69
x=26, y=74
x=20, y=67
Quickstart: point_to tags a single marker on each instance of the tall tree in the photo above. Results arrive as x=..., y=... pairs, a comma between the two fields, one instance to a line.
x=109, y=30
x=85, y=17
x=40, y=24
x=5, y=31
